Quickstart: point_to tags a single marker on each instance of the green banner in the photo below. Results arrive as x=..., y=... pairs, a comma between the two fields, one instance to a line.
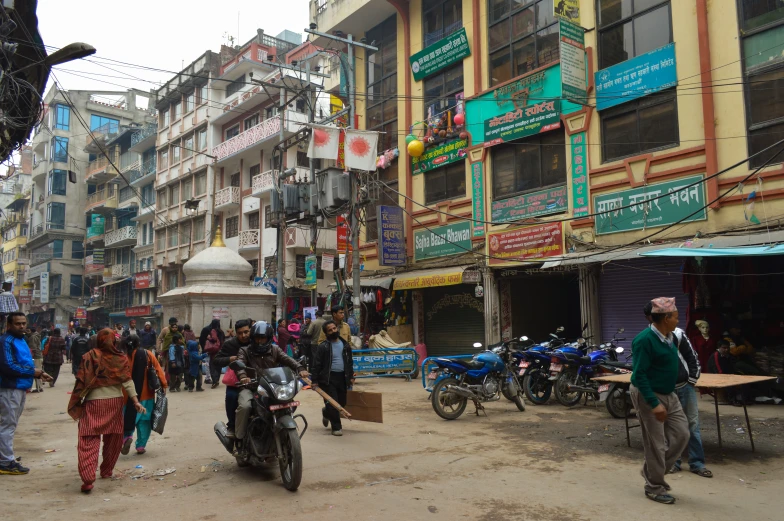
x=572, y=54
x=440, y=55
x=579, y=175
x=310, y=270
x=97, y=225
x=478, y=198
x=451, y=239
x=534, y=204
x=650, y=206
x=438, y=156
x=523, y=122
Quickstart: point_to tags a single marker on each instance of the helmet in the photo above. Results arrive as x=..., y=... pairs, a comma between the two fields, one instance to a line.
x=261, y=328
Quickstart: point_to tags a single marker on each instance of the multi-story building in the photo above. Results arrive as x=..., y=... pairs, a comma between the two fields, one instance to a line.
x=573, y=149
x=15, y=200
x=57, y=231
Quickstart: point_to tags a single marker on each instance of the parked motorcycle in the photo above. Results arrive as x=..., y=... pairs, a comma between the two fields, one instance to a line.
x=272, y=429
x=482, y=379
x=534, y=367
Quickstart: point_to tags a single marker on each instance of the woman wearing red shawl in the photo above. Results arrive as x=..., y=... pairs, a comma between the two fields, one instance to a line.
x=97, y=403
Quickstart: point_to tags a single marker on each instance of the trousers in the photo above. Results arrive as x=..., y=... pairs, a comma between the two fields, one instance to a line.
x=215, y=371
x=687, y=395
x=88, y=449
x=663, y=442
x=337, y=390
x=39, y=364
x=190, y=380
x=52, y=370
x=244, y=406
x=12, y=402
x=232, y=401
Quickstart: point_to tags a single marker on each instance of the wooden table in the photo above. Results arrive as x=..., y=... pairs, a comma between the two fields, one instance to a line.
x=706, y=381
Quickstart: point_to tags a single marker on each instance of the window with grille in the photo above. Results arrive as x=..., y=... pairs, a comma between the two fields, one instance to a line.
x=232, y=226
x=268, y=217
x=251, y=121
x=271, y=267
x=445, y=183
x=235, y=86
x=529, y=164
x=440, y=18
x=233, y=131
x=235, y=180
x=253, y=221
x=253, y=172
x=254, y=263
x=301, y=273
x=629, y=28
x=381, y=113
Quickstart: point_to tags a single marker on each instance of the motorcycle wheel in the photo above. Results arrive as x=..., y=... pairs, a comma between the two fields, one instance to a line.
x=291, y=465
x=537, y=388
x=616, y=405
x=447, y=405
x=242, y=461
x=562, y=394
x=518, y=401
x=508, y=392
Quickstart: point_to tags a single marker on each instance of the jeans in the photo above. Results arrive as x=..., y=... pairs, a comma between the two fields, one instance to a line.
x=687, y=395
x=232, y=402
x=12, y=402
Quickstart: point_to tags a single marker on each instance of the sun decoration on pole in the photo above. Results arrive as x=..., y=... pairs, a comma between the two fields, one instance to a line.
x=321, y=138
x=359, y=146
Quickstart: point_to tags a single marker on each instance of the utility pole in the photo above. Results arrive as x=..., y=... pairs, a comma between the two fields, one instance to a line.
x=314, y=221
x=281, y=289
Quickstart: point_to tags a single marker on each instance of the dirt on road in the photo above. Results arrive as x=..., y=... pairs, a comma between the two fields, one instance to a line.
x=548, y=463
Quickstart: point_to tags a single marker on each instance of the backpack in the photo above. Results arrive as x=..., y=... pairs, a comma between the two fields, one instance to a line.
x=213, y=344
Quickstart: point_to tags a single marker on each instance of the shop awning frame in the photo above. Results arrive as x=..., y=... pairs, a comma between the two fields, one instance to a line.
x=742, y=251
x=113, y=282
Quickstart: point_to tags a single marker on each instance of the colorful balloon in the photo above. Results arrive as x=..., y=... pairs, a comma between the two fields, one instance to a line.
x=459, y=119
x=410, y=138
x=416, y=148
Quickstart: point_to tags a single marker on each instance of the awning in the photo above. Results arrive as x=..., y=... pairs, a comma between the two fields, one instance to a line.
x=430, y=278
x=93, y=308
x=113, y=282
x=371, y=282
x=745, y=251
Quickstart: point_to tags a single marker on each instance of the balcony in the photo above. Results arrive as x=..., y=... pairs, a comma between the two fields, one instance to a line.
x=250, y=239
x=227, y=198
x=93, y=270
x=349, y=16
x=125, y=236
x=254, y=135
x=96, y=140
x=42, y=228
x=103, y=201
x=40, y=168
x=121, y=270
x=129, y=162
x=100, y=170
x=145, y=173
x=144, y=138
x=263, y=183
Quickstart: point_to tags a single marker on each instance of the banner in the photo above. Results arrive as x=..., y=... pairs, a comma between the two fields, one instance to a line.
x=25, y=296
x=572, y=53
x=97, y=225
x=310, y=271
x=361, y=149
x=637, y=77
x=327, y=262
x=440, y=55
x=342, y=232
x=391, y=236
x=478, y=198
x=44, y=287
x=220, y=312
x=324, y=142
x=438, y=156
x=522, y=122
x=144, y=280
x=138, y=311
x=452, y=239
x=520, y=244
x=534, y=204
x=80, y=314
x=579, y=174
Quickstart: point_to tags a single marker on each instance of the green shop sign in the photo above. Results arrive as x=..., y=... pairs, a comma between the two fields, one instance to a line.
x=650, y=206
x=438, y=156
x=478, y=198
x=520, y=123
x=97, y=225
x=446, y=240
x=440, y=55
x=534, y=204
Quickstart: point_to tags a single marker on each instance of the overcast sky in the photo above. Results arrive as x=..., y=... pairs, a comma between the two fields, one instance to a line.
x=163, y=34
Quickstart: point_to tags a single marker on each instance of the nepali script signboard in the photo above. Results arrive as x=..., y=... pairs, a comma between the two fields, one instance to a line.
x=391, y=240
x=451, y=239
x=642, y=75
x=384, y=360
x=522, y=122
x=534, y=204
x=440, y=55
x=438, y=156
x=521, y=244
x=650, y=206
x=572, y=53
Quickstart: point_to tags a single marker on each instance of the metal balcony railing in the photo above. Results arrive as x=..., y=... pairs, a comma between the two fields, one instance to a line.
x=144, y=133
x=42, y=228
x=146, y=168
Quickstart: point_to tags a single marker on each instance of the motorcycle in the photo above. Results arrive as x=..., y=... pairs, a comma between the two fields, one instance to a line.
x=272, y=432
x=612, y=393
x=482, y=379
x=534, y=368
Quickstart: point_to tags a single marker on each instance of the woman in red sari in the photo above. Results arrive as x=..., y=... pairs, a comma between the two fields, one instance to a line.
x=97, y=403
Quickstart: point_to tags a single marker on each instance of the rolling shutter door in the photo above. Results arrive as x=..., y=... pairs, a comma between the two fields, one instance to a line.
x=625, y=287
x=454, y=320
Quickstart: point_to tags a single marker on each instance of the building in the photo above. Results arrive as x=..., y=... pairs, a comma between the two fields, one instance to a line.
x=553, y=173
x=15, y=204
x=76, y=125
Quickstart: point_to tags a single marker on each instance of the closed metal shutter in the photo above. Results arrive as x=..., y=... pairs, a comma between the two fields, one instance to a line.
x=625, y=287
x=454, y=320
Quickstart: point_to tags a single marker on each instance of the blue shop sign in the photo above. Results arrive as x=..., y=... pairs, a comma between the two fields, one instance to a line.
x=391, y=239
x=642, y=75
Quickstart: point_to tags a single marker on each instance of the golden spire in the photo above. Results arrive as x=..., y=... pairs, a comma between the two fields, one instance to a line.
x=217, y=242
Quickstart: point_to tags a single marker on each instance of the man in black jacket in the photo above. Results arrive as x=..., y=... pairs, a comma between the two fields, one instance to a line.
x=333, y=370
x=228, y=353
x=688, y=374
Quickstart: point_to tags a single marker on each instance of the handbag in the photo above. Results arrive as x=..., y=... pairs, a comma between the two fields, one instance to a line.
x=230, y=378
x=160, y=412
x=153, y=382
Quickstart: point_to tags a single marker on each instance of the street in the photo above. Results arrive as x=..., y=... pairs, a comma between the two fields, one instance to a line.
x=547, y=463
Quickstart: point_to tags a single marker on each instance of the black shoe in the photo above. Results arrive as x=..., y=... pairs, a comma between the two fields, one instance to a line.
x=661, y=498
x=214, y=385
x=324, y=420
x=13, y=469
x=199, y=390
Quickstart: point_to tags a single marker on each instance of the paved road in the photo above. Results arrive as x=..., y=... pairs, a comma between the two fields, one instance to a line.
x=545, y=464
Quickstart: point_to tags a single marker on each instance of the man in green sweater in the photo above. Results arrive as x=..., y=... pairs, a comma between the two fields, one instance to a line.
x=664, y=427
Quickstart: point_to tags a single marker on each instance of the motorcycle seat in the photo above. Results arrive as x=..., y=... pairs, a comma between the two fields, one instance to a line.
x=470, y=364
x=622, y=365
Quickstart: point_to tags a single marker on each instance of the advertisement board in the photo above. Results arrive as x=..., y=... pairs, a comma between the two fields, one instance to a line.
x=452, y=239
x=533, y=204
x=521, y=244
x=637, y=77
x=440, y=55
x=391, y=237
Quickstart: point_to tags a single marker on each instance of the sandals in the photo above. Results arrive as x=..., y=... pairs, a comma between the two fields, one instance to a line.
x=661, y=498
x=703, y=472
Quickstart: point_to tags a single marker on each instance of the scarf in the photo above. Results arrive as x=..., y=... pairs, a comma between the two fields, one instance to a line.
x=718, y=362
x=101, y=367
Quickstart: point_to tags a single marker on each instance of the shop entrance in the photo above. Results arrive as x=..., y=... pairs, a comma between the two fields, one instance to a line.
x=543, y=302
x=454, y=320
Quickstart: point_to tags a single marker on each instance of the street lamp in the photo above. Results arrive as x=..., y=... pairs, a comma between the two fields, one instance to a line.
x=192, y=206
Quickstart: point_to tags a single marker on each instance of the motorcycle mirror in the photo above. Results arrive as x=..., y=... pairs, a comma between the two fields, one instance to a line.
x=602, y=346
x=477, y=345
x=523, y=338
x=236, y=365
x=560, y=329
x=581, y=340
x=619, y=350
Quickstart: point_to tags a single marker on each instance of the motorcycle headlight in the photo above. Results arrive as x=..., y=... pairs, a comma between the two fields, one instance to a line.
x=261, y=391
x=286, y=391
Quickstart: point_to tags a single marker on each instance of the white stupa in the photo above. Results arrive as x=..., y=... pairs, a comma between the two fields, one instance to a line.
x=217, y=287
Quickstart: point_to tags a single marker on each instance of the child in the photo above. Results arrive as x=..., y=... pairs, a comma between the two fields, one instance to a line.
x=176, y=362
x=194, y=372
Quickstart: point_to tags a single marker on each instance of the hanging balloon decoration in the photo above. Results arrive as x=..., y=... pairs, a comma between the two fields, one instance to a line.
x=410, y=138
x=416, y=148
x=459, y=120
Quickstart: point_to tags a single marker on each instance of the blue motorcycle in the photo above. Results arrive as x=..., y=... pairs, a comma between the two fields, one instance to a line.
x=534, y=368
x=482, y=379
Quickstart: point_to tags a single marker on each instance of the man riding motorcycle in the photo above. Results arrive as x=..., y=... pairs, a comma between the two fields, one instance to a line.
x=260, y=354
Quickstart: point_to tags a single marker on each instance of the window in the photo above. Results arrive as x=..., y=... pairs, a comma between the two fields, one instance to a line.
x=521, y=38
x=60, y=149
x=55, y=216
x=76, y=286
x=235, y=180
x=762, y=34
x=163, y=160
x=57, y=249
x=303, y=161
x=202, y=139
x=198, y=229
x=175, y=153
x=174, y=194
x=270, y=111
x=189, y=101
x=254, y=263
x=176, y=109
x=638, y=126
x=232, y=226
x=233, y=131
x=171, y=280
x=445, y=183
x=268, y=216
x=55, y=285
x=187, y=189
x=386, y=196
x=201, y=183
x=440, y=19
x=148, y=195
x=201, y=94
x=187, y=146
x=271, y=267
x=251, y=121
x=185, y=232
x=173, y=233
x=161, y=234
x=126, y=192
x=253, y=172
x=164, y=118
x=235, y=86
x=77, y=250
x=162, y=199
x=301, y=272
x=529, y=164
x=381, y=102
x=104, y=125
x=56, y=182
x=299, y=106
x=62, y=117
x=253, y=221
x=629, y=28
x=441, y=90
